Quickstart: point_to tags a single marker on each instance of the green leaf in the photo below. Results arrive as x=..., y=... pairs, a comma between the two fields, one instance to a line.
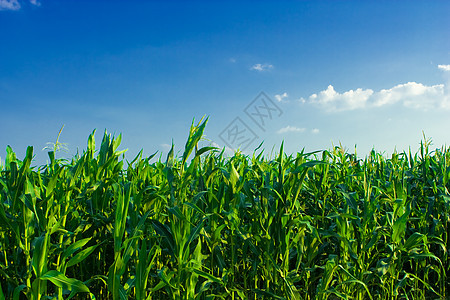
x=74, y=247
x=61, y=281
x=267, y=294
x=80, y=256
x=166, y=278
x=194, y=233
x=159, y=286
x=234, y=175
x=10, y=158
x=17, y=290
x=207, y=276
x=413, y=241
x=39, y=260
x=195, y=134
x=91, y=144
x=176, y=212
x=52, y=183
x=309, y=164
x=194, y=207
x=165, y=232
x=204, y=149
x=399, y=228
x=169, y=160
x=426, y=255
x=13, y=225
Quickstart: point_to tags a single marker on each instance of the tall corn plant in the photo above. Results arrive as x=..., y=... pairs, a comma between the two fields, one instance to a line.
x=321, y=225
x=30, y=212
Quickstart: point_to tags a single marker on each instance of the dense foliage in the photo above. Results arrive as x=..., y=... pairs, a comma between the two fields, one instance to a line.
x=203, y=226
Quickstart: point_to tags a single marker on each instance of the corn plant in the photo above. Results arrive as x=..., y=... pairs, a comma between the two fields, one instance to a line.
x=320, y=225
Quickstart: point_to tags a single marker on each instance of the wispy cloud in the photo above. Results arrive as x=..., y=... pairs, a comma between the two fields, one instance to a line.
x=261, y=67
x=315, y=130
x=166, y=147
x=281, y=97
x=15, y=4
x=290, y=129
x=9, y=5
x=232, y=60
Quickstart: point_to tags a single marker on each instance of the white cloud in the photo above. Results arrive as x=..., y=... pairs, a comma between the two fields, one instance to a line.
x=411, y=94
x=331, y=100
x=281, y=97
x=9, y=5
x=444, y=67
x=290, y=129
x=261, y=67
x=315, y=131
x=14, y=4
x=232, y=60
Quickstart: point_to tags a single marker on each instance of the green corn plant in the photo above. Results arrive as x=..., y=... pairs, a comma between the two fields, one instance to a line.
x=320, y=225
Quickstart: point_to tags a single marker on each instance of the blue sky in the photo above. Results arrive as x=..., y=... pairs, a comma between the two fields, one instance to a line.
x=374, y=74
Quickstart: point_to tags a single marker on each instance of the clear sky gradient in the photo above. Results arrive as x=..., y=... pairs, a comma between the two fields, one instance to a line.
x=374, y=74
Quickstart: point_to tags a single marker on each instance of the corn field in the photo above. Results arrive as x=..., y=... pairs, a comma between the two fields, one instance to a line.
x=321, y=225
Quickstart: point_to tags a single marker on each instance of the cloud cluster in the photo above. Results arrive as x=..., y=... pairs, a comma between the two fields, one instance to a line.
x=261, y=67
x=334, y=101
x=281, y=97
x=444, y=67
x=9, y=5
x=412, y=94
x=14, y=4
